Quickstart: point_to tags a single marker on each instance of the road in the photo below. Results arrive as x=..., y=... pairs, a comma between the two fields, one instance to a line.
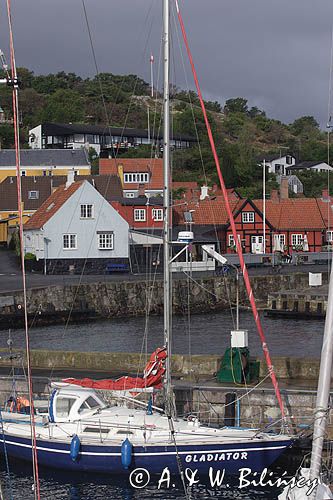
x=11, y=279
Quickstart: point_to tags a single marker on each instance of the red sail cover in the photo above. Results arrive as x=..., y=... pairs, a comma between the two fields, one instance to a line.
x=152, y=376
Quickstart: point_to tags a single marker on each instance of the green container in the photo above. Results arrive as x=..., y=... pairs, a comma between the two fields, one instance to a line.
x=235, y=366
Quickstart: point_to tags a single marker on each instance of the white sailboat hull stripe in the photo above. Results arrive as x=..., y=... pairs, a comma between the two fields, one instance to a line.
x=188, y=452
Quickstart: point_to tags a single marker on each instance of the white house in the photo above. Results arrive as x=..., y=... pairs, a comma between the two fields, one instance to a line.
x=76, y=230
x=277, y=164
x=316, y=166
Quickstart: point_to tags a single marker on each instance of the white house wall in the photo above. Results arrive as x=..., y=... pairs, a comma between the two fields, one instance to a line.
x=67, y=221
x=271, y=165
x=36, y=134
x=322, y=167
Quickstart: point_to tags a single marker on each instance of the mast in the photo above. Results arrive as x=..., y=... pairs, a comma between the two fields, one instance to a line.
x=166, y=199
x=323, y=392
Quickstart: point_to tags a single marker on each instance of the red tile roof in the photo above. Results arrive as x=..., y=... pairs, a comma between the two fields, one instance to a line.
x=185, y=185
x=206, y=212
x=293, y=213
x=152, y=165
x=51, y=205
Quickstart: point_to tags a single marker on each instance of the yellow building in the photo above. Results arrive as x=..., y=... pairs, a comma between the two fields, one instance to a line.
x=44, y=162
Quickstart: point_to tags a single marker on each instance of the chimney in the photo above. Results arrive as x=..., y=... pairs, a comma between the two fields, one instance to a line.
x=70, y=178
x=141, y=190
x=204, y=192
x=284, y=188
x=274, y=196
x=324, y=195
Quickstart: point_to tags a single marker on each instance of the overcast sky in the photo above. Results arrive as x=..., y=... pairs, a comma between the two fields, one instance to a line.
x=276, y=53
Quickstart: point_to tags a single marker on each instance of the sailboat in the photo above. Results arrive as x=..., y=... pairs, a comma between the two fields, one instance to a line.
x=312, y=475
x=79, y=431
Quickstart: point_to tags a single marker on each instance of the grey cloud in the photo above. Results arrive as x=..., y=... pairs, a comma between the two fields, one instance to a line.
x=276, y=53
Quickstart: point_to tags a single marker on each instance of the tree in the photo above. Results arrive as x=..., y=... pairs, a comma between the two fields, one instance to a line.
x=306, y=126
x=233, y=123
x=254, y=112
x=313, y=182
x=93, y=160
x=63, y=106
x=236, y=105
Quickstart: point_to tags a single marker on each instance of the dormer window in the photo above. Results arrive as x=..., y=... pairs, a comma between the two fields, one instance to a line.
x=33, y=195
x=248, y=217
x=136, y=177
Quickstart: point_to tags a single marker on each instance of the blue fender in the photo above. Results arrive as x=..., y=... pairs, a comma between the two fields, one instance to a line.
x=126, y=453
x=75, y=448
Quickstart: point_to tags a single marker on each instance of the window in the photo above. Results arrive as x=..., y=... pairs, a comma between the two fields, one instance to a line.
x=105, y=241
x=281, y=238
x=33, y=195
x=231, y=241
x=69, y=241
x=79, y=138
x=289, y=160
x=130, y=195
x=329, y=236
x=138, y=177
x=296, y=239
x=140, y=215
x=63, y=406
x=157, y=214
x=44, y=173
x=248, y=217
x=89, y=404
x=86, y=211
x=23, y=173
x=50, y=206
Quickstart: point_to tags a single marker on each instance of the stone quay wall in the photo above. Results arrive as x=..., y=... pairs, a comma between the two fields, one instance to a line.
x=130, y=298
x=196, y=389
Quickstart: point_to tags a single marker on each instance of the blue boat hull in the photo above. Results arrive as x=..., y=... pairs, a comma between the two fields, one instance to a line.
x=107, y=459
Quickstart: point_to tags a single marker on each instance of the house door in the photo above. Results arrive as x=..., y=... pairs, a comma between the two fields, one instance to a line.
x=257, y=244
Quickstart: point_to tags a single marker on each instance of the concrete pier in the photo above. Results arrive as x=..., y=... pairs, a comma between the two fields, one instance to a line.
x=196, y=389
x=309, y=302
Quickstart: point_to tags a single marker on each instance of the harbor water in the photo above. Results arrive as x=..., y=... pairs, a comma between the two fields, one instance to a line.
x=202, y=334
x=59, y=485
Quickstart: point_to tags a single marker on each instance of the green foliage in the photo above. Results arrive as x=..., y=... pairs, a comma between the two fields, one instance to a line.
x=177, y=194
x=94, y=161
x=236, y=105
x=241, y=134
x=313, y=182
x=6, y=136
x=29, y=256
x=233, y=123
x=63, y=106
x=14, y=243
x=143, y=151
x=190, y=97
x=305, y=126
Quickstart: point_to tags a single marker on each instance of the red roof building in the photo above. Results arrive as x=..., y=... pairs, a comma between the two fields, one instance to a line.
x=139, y=176
x=290, y=224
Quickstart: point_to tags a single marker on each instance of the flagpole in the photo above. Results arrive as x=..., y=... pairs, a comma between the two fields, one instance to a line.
x=151, y=75
x=151, y=93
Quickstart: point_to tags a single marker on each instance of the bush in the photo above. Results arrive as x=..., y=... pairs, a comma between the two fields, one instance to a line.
x=29, y=256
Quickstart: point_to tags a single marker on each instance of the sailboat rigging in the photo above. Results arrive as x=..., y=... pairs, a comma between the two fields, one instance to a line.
x=80, y=432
